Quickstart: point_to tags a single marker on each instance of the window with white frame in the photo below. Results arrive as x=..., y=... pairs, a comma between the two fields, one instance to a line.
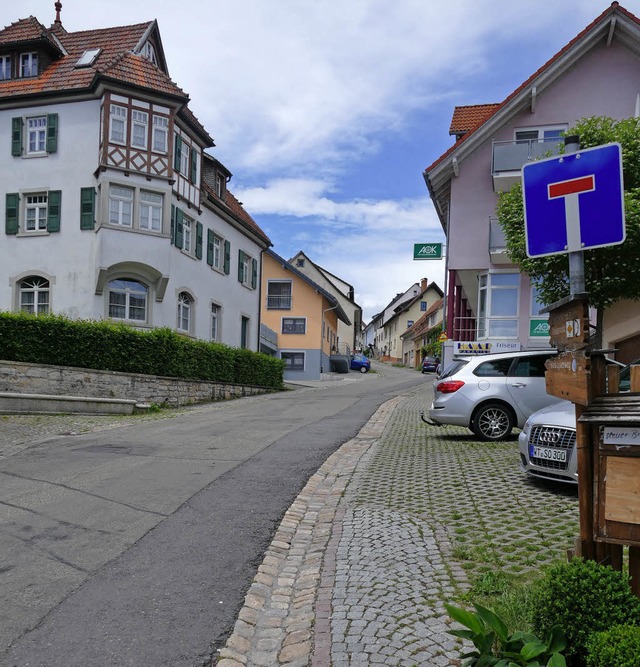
x=216, y=313
x=160, y=134
x=244, y=269
x=34, y=295
x=127, y=299
x=5, y=68
x=187, y=231
x=28, y=64
x=185, y=163
x=149, y=52
x=498, y=305
x=185, y=312
x=139, y=128
x=219, y=185
x=36, y=212
x=279, y=295
x=118, y=124
x=37, y=134
x=293, y=361
x=120, y=206
x=294, y=325
x=150, y=211
x=218, y=252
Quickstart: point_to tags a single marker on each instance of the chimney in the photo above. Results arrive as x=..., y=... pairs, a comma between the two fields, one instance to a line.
x=423, y=284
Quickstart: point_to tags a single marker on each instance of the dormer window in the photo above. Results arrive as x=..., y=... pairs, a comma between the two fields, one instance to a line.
x=219, y=185
x=149, y=52
x=28, y=64
x=5, y=68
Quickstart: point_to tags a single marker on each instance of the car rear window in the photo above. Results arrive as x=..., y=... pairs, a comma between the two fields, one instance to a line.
x=493, y=368
x=453, y=367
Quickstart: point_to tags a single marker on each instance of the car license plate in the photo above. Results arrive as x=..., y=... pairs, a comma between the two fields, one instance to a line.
x=548, y=453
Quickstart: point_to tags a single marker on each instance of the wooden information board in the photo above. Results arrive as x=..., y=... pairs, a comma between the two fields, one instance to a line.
x=568, y=374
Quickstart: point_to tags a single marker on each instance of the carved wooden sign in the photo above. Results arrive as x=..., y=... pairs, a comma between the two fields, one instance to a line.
x=568, y=374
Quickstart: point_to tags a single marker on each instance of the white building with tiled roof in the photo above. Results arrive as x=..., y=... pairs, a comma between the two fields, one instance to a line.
x=111, y=207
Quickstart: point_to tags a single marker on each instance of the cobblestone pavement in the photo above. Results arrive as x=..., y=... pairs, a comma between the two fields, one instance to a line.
x=398, y=521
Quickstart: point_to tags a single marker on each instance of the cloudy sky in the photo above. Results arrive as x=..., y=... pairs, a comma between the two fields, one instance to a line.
x=328, y=111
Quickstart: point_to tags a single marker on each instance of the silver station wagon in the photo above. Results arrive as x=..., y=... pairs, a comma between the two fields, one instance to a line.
x=491, y=394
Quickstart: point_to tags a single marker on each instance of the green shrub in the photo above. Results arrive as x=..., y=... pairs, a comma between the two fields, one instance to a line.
x=112, y=346
x=495, y=647
x=617, y=647
x=582, y=597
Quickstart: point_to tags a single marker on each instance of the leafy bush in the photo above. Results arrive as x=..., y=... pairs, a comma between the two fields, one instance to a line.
x=617, y=647
x=495, y=647
x=111, y=346
x=582, y=597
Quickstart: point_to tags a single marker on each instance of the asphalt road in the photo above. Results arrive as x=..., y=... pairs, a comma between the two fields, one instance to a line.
x=136, y=545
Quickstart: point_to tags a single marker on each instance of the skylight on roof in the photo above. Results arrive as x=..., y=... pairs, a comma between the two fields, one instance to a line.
x=88, y=58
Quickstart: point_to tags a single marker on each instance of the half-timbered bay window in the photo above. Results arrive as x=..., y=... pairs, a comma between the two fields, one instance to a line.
x=127, y=300
x=120, y=206
x=118, y=124
x=34, y=295
x=279, y=295
x=160, y=134
x=28, y=64
x=34, y=135
x=185, y=160
x=139, y=128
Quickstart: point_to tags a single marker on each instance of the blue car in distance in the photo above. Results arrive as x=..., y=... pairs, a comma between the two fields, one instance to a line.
x=360, y=363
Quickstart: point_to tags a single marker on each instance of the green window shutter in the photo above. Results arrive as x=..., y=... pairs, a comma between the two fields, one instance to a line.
x=11, y=213
x=254, y=273
x=194, y=165
x=198, y=240
x=173, y=224
x=178, y=154
x=54, y=198
x=227, y=257
x=87, y=208
x=209, y=247
x=16, y=136
x=52, y=132
x=240, y=262
x=179, y=228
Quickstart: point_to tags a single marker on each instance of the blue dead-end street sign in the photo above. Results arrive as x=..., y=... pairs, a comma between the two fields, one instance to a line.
x=574, y=202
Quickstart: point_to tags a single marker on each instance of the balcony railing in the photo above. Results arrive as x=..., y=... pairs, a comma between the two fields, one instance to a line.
x=497, y=241
x=482, y=328
x=512, y=155
x=278, y=302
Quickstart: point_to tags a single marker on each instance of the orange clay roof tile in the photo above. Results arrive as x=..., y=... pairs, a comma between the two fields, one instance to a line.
x=24, y=30
x=467, y=118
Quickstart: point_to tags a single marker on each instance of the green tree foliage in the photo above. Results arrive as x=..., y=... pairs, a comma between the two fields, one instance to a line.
x=611, y=274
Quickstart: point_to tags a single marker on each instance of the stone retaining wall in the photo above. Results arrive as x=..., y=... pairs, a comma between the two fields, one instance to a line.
x=26, y=378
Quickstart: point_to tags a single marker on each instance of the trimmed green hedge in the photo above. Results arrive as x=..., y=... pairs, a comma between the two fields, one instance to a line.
x=109, y=346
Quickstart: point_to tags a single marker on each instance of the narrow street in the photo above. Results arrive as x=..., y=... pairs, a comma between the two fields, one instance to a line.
x=136, y=545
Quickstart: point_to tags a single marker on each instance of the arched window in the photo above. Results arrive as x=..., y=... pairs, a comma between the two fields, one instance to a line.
x=185, y=303
x=34, y=295
x=128, y=300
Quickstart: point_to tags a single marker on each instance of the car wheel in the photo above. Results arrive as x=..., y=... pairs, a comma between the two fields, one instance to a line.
x=493, y=421
x=363, y=369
